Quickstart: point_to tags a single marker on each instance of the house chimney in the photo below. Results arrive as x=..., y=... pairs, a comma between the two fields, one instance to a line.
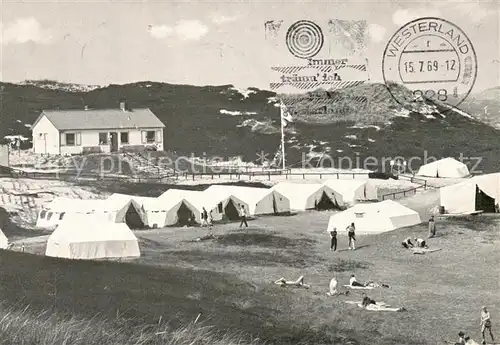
x=122, y=106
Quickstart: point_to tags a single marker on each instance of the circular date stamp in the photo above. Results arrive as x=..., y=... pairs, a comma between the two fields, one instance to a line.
x=433, y=58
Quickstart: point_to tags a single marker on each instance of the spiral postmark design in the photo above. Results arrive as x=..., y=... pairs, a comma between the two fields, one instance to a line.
x=304, y=39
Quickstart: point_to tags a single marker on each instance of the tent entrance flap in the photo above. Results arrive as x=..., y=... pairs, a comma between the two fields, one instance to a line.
x=231, y=211
x=275, y=205
x=484, y=202
x=133, y=219
x=325, y=203
x=184, y=215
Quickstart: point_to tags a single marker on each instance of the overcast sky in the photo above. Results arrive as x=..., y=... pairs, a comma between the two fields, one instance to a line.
x=201, y=43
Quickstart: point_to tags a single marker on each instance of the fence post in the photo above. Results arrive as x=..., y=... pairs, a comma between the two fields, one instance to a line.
x=320, y=176
x=269, y=176
x=193, y=176
x=338, y=176
x=303, y=176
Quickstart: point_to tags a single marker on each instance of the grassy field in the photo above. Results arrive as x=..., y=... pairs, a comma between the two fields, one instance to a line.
x=229, y=282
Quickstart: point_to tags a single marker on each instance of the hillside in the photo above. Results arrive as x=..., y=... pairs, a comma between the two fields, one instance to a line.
x=224, y=121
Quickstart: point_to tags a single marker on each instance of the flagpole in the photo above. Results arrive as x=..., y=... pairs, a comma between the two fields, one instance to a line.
x=282, y=136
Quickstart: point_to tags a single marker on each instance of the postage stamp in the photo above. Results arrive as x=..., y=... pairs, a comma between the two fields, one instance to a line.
x=431, y=57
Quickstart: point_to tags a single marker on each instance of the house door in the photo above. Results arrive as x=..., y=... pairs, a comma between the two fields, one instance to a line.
x=114, y=141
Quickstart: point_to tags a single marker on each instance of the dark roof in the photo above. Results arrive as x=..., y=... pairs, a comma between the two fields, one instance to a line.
x=101, y=119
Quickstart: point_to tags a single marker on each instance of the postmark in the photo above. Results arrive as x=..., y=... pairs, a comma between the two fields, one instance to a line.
x=304, y=39
x=431, y=57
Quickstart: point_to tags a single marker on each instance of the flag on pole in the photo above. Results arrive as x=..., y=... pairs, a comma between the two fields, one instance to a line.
x=286, y=117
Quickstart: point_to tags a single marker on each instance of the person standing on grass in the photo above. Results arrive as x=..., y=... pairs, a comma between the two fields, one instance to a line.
x=204, y=217
x=211, y=220
x=351, y=229
x=333, y=239
x=243, y=214
x=432, y=227
x=486, y=324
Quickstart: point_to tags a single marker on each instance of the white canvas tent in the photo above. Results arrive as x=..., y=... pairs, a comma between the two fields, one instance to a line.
x=90, y=236
x=444, y=168
x=260, y=200
x=4, y=242
x=119, y=210
x=375, y=218
x=480, y=193
x=307, y=196
x=161, y=212
x=353, y=190
x=222, y=206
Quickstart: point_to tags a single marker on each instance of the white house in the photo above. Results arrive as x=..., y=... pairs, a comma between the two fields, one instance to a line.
x=96, y=130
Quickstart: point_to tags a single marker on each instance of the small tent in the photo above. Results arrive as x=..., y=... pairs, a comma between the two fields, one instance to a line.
x=444, y=168
x=260, y=200
x=309, y=196
x=480, y=193
x=375, y=218
x=119, y=210
x=353, y=190
x=221, y=205
x=4, y=242
x=91, y=236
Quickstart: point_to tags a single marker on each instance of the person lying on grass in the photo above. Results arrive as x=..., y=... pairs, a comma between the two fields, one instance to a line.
x=299, y=282
x=370, y=304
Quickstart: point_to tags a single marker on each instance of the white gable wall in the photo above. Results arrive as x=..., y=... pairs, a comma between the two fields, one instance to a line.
x=45, y=137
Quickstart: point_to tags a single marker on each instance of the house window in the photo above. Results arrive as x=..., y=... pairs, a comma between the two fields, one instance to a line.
x=61, y=215
x=70, y=139
x=103, y=138
x=49, y=215
x=219, y=207
x=42, y=214
x=150, y=136
x=124, y=137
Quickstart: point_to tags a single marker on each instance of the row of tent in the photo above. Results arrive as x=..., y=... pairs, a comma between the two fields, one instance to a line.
x=82, y=236
x=222, y=202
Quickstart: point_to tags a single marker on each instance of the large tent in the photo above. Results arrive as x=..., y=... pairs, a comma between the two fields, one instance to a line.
x=4, y=242
x=445, y=168
x=375, y=218
x=119, y=210
x=480, y=193
x=308, y=196
x=221, y=205
x=91, y=236
x=259, y=200
x=353, y=190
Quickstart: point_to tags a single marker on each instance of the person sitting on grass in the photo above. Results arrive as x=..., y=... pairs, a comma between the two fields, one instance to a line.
x=469, y=341
x=461, y=338
x=354, y=282
x=421, y=243
x=407, y=243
